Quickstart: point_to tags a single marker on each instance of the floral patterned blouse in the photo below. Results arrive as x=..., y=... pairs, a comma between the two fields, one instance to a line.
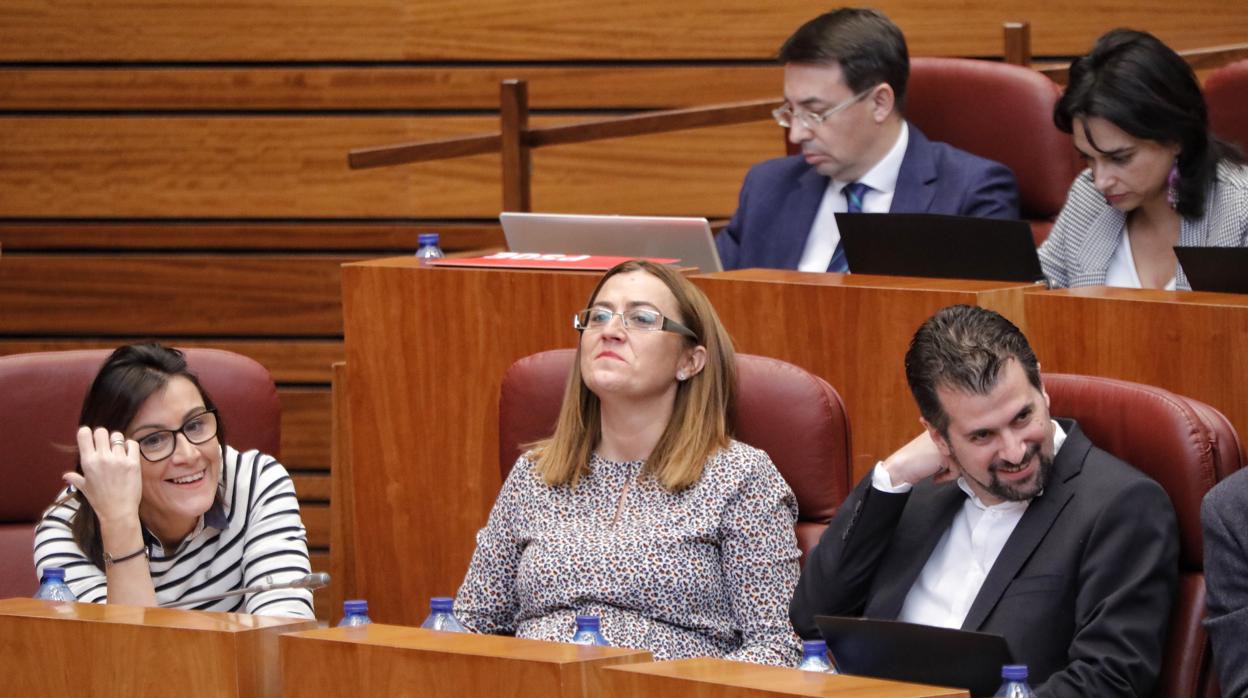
x=707, y=571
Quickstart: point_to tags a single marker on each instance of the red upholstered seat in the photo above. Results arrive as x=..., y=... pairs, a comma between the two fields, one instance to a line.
x=796, y=417
x=1001, y=112
x=1185, y=445
x=43, y=396
x=1226, y=94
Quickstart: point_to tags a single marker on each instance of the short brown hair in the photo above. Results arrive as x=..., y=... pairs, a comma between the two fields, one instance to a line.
x=963, y=347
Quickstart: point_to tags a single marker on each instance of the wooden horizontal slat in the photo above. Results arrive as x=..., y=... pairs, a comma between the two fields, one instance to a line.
x=311, y=486
x=269, y=167
x=387, y=30
x=171, y=295
x=360, y=236
x=294, y=361
x=179, y=88
x=316, y=520
x=305, y=428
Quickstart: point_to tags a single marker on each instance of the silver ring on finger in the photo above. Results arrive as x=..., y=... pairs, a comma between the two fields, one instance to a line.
x=118, y=441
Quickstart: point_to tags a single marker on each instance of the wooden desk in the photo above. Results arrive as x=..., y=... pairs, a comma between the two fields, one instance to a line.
x=73, y=649
x=1195, y=344
x=720, y=678
x=388, y=660
x=426, y=349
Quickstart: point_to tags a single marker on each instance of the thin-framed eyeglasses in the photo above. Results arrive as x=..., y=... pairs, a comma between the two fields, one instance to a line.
x=646, y=319
x=159, y=445
x=785, y=114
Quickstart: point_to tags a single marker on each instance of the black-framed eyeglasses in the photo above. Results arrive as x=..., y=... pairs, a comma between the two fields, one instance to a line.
x=646, y=319
x=785, y=115
x=159, y=445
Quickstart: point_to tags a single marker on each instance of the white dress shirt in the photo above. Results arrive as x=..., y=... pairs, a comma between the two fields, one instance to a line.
x=1121, y=270
x=952, y=577
x=824, y=235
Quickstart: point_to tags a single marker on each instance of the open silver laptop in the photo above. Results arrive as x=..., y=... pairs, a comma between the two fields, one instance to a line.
x=686, y=239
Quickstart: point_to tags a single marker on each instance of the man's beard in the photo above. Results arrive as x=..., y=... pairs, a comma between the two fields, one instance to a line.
x=1015, y=491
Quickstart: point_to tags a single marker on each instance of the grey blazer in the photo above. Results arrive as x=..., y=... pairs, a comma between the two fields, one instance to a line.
x=1224, y=516
x=1088, y=230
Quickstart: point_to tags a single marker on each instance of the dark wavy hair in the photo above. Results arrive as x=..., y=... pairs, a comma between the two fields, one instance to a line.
x=963, y=347
x=867, y=46
x=1137, y=83
x=129, y=376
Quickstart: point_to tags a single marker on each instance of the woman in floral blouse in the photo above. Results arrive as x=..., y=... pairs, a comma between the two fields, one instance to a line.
x=641, y=509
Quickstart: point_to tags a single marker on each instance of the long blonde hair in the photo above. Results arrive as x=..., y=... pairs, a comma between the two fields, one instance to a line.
x=701, y=420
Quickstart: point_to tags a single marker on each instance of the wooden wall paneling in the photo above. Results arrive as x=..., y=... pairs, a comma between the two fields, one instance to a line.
x=375, y=238
x=188, y=88
x=500, y=30
x=1188, y=342
x=259, y=167
x=305, y=427
x=196, y=295
x=312, y=486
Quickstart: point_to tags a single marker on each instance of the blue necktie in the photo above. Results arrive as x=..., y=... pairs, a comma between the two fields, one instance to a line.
x=854, y=192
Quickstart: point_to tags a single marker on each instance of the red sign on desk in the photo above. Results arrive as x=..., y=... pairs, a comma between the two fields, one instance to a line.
x=538, y=260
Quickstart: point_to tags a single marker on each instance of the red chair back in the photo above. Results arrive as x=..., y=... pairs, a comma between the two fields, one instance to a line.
x=1226, y=95
x=43, y=394
x=1185, y=445
x=1001, y=112
x=796, y=417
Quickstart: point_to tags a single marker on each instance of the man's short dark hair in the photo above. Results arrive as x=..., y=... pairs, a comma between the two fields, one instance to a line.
x=963, y=347
x=867, y=46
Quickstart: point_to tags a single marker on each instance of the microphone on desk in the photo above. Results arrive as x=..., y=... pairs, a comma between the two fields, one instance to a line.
x=315, y=580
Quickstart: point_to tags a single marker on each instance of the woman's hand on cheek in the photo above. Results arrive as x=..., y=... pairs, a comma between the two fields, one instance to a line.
x=112, y=476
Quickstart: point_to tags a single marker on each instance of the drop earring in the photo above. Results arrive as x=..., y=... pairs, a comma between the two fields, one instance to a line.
x=1172, y=185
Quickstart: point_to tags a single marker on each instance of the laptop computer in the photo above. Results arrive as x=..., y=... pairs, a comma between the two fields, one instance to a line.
x=686, y=239
x=1219, y=269
x=889, y=649
x=939, y=246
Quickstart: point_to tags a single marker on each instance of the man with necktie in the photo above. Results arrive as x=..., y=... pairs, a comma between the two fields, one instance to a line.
x=845, y=76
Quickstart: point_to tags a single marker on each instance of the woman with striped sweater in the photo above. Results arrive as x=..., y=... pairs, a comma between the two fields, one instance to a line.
x=160, y=509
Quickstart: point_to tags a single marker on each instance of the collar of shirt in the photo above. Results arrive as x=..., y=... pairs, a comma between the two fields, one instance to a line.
x=882, y=178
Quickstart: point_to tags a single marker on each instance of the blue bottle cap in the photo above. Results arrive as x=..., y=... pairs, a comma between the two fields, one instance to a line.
x=427, y=239
x=1014, y=672
x=355, y=607
x=54, y=574
x=810, y=647
x=442, y=604
x=587, y=622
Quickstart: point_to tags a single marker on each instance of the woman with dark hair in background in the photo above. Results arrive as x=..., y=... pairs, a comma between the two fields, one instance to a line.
x=640, y=508
x=160, y=509
x=1157, y=177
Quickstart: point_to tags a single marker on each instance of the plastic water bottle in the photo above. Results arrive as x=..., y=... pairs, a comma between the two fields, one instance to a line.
x=428, y=248
x=587, y=632
x=354, y=614
x=1015, y=685
x=52, y=586
x=815, y=657
x=442, y=616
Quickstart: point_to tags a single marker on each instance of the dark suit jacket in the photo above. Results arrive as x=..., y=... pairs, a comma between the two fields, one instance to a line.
x=780, y=198
x=1224, y=517
x=1082, y=589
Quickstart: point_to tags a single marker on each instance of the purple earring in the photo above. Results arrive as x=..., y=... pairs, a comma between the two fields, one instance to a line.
x=1172, y=185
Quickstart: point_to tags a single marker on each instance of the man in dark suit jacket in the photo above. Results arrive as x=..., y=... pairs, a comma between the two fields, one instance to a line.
x=999, y=519
x=845, y=76
x=1224, y=518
